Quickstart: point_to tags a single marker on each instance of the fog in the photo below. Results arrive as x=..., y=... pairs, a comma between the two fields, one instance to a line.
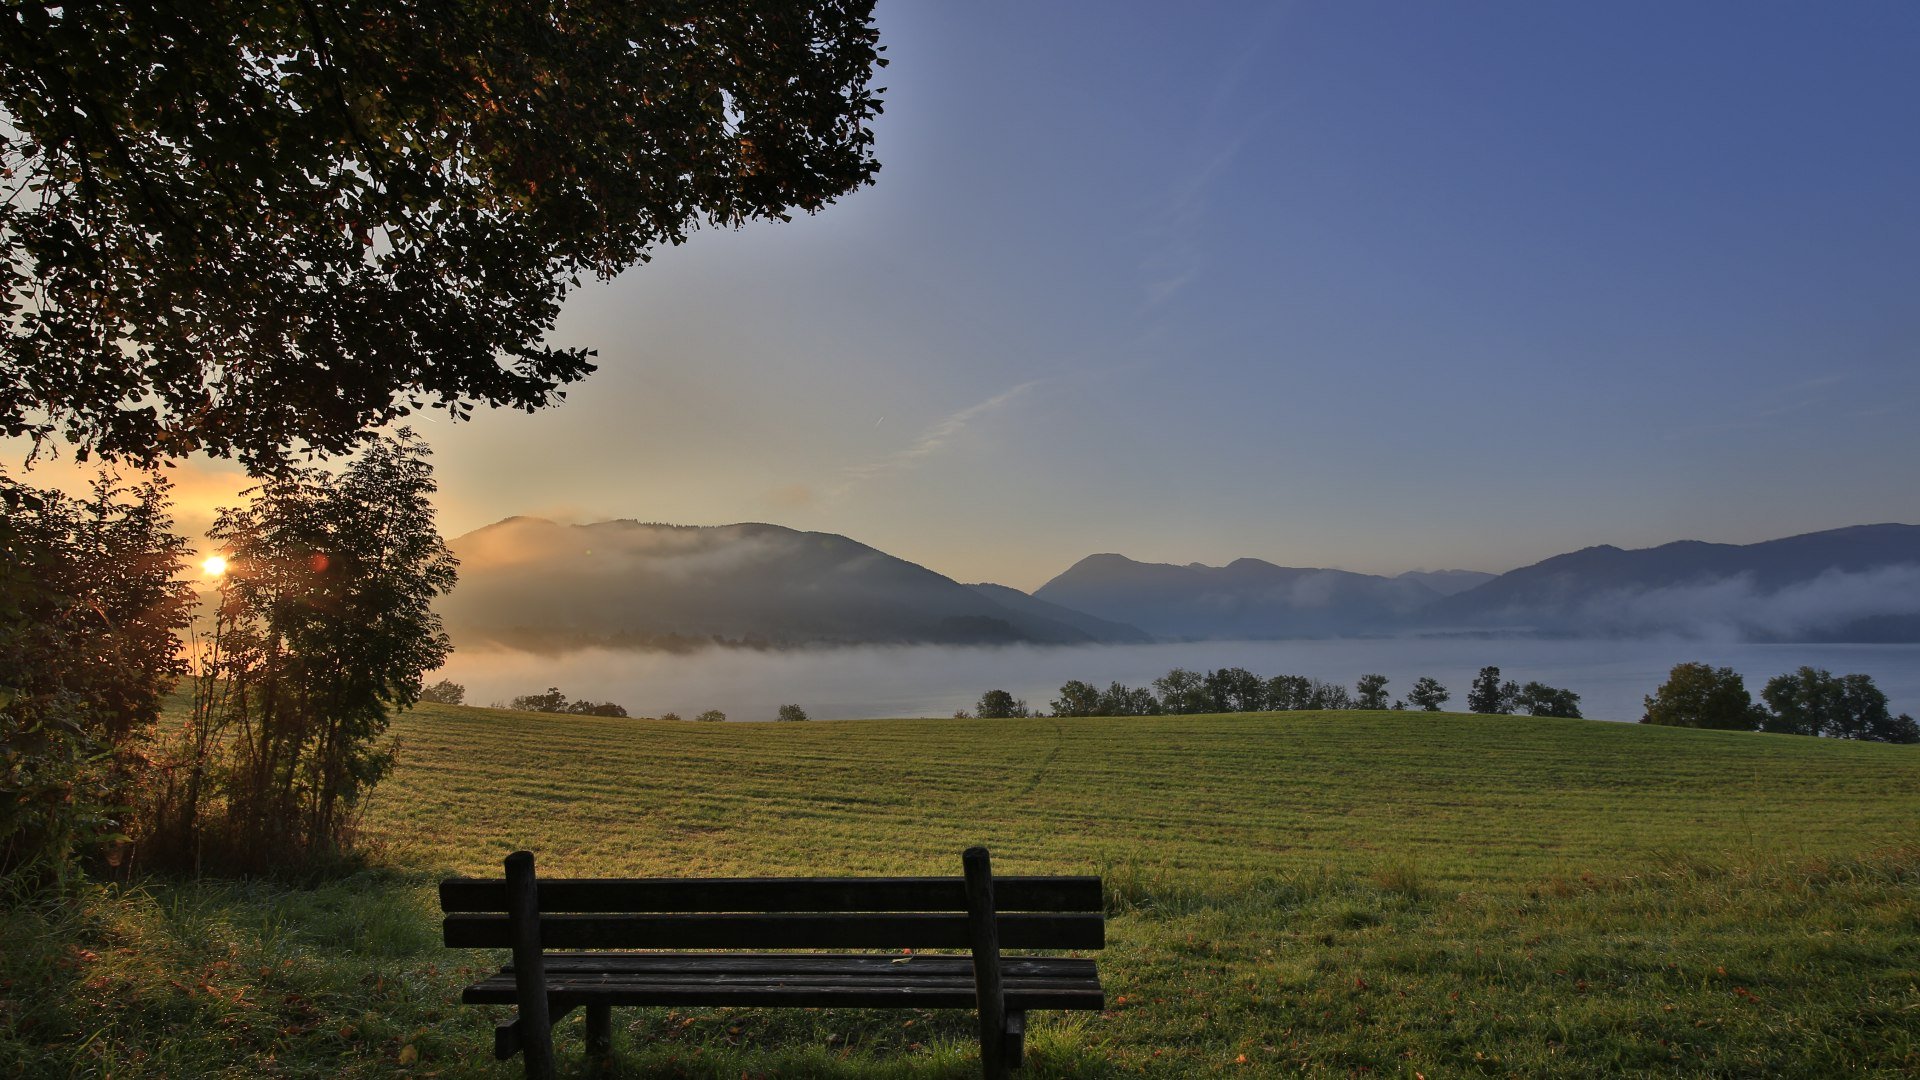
x=1736, y=607
x=1612, y=676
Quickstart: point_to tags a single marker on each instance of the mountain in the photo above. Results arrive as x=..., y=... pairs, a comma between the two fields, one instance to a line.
x=1101, y=630
x=1854, y=584
x=533, y=584
x=1448, y=582
x=1247, y=598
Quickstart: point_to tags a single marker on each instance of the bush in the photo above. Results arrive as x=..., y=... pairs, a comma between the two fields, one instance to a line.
x=1702, y=696
x=999, y=705
x=445, y=692
x=711, y=716
x=674, y=716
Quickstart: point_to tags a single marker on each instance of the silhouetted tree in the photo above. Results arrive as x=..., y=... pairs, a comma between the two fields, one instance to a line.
x=263, y=225
x=1289, y=692
x=791, y=714
x=999, y=705
x=1539, y=699
x=1183, y=692
x=1234, y=689
x=1813, y=701
x=89, y=613
x=1428, y=694
x=553, y=701
x=1078, y=699
x=1702, y=696
x=1489, y=695
x=711, y=716
x=444, y=692
x=1370, y=692
x=1121, y=700
x=1321, y=695
x=325, y=626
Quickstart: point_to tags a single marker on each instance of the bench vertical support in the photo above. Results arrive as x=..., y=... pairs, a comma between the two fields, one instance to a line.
x=1016, y=1038
x=529, y=966
x=984, y=931
x=599, y=1036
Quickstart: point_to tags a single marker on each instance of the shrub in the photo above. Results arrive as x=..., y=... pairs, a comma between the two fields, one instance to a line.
x=711, y=716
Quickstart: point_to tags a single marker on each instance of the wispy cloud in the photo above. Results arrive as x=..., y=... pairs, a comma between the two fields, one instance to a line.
x=1180, y=259
x=930, y=441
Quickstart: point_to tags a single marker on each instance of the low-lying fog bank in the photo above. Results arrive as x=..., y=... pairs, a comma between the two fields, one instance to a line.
x=1610, y=676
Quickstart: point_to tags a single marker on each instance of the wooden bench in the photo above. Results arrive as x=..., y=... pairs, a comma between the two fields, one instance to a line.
x=592, y=918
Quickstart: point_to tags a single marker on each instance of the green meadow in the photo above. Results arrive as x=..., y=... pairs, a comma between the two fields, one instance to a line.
x=1336, y=894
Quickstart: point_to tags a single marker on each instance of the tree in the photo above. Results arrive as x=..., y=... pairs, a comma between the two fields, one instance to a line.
x=1702, y=696
x=1489, y=695
x=1370, y=692
x=1813, y=701
x=999, y=705
x=1428, y=694
x=444, y=692
x=673, y=717
x=1234, y=689
x=325, y=626
x=711, y=716
x=791, y=714
x=1289, y=692
x=260, y=225
x=583, y=707
x=1539, y=699
x=553, y=701
x=90, y=610
x=1119, y=699
x=1078, y=699
x=1322, y=695
x=1183, y=692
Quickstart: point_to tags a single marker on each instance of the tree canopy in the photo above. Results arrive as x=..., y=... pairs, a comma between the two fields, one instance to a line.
x=247, y=228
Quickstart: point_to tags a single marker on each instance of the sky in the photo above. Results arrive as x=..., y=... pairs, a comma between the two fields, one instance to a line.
x=1364, y=285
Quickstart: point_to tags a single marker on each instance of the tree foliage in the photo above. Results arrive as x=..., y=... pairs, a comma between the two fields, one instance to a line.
x=1078, y=698
x=1489, y=695
x=1702, y=696
x=999, y=705
x=90, y=610
x=1370, y=692
x=1539, y=699
x=1428, y=694
x=1814, y=701
x=324, y=627
x=791, y=714
x=444, y=692
x=241, y=227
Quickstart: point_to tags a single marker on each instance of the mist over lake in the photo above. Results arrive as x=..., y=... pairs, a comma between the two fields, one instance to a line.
x=1611, y=676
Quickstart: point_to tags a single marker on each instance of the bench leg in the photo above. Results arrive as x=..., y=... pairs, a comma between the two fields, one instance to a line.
x=599, y=1036
x=1016, y=1040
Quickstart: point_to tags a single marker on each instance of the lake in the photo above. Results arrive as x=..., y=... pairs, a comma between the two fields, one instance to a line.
x=1611, y=676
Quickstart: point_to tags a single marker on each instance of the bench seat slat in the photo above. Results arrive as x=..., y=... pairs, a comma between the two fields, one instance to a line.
x=1013, y=893
x=874, y=989
x=809, y=963
x=779, y=931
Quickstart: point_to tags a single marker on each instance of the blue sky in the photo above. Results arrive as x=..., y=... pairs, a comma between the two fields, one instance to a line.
x=1379, y=286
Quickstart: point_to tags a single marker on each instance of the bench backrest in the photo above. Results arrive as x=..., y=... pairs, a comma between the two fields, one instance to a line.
x=777, y=913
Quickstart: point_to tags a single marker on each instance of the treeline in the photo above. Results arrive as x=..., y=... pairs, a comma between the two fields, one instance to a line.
x=1810, y=701
x=1235, y=689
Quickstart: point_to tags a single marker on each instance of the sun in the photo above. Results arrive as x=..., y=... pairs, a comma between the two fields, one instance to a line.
x=214, y=566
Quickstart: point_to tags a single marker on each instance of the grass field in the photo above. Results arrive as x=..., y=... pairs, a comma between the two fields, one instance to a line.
x=1333, y=894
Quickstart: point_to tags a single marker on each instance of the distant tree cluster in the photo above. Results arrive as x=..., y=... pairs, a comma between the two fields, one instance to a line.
x=444, y=692
x=1492, y=696
x=553, y=701
x=1810, y=701
x=1182, y=691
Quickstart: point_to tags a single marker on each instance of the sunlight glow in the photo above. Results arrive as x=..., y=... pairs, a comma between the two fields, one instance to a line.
x=214, y=566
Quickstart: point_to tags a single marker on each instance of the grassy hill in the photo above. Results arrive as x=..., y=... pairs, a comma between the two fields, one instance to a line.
x=1328, y=893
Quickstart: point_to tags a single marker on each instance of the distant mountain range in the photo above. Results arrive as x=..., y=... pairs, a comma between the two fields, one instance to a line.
x=531, y=583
